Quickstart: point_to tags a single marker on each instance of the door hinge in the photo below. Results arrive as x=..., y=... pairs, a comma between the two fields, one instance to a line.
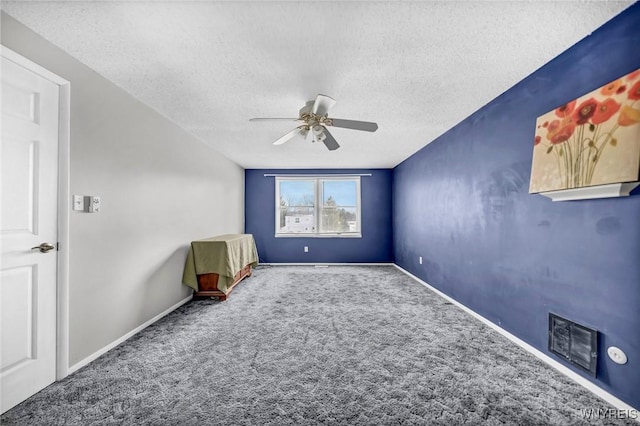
x=57, y=246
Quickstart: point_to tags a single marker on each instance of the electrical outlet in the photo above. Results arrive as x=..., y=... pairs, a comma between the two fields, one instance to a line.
x=306, y=249
x=420, y=259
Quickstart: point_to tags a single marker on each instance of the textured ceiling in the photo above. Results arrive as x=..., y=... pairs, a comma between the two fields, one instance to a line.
x=415, y=68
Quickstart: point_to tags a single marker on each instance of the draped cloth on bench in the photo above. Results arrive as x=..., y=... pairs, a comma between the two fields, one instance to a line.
x=224, y=255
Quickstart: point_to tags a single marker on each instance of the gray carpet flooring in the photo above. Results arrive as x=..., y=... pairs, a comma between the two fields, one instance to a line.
x=296, y=345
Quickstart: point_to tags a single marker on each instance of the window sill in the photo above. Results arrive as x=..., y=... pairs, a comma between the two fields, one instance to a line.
x=301, y=235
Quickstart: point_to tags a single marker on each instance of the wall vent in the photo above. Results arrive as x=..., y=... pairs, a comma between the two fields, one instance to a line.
x=574, y=343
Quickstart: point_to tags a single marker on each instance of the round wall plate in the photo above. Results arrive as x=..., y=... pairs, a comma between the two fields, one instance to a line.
x=617, y=355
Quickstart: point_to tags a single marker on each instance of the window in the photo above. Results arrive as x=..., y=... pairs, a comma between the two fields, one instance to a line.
x=318, y=206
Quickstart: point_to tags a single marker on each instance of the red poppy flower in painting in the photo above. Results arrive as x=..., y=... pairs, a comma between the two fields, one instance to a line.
x=634, y=92
x=629, y=116
x=566, y=109
x=633, y=75
x=560, y=131
x=585, y=111
x=603, y=124
x=604, y=111
x=611, y=88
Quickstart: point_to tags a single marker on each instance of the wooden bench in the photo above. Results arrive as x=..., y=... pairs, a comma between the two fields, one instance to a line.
x=215, y=265
x=208, y=284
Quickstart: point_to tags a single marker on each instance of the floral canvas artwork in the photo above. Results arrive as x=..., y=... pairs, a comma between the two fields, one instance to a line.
x=592, y=140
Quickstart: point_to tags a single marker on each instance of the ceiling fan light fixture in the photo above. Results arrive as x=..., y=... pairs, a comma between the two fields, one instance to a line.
x=314, y=118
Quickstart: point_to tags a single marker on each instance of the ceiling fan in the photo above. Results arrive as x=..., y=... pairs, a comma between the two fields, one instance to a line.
x=314, y=118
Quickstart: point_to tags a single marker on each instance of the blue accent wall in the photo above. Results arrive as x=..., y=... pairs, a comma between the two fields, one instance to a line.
x=376, y=225
x=462, y=203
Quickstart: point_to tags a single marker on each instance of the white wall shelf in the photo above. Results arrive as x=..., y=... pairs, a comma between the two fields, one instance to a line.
x=591, y=192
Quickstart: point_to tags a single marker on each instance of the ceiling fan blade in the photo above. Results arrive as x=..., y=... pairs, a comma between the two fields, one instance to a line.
x=322, y=104
x=274, y=119
x=367, y=126
x=330, y=141
x=286, y=138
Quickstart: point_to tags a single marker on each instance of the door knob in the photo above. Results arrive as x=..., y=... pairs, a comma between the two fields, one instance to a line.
x=44, y=247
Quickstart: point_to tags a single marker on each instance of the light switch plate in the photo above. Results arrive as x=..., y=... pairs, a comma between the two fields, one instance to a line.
x=78, y=203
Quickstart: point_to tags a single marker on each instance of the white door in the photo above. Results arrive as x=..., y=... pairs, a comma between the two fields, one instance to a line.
x=28, y=218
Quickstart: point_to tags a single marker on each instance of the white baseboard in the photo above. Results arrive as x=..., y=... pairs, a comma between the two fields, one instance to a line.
x=136, y=330
x=598, y=391
x=326, y=264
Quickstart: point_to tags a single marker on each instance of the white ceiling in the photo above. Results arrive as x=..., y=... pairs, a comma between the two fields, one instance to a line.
x=415, y=68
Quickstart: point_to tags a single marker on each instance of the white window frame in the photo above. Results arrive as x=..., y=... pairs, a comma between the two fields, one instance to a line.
x=318, y=197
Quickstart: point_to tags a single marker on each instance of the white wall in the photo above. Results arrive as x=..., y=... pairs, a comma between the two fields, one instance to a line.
x=160, y=189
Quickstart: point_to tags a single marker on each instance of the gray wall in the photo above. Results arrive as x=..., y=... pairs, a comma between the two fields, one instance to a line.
x=160, y=188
